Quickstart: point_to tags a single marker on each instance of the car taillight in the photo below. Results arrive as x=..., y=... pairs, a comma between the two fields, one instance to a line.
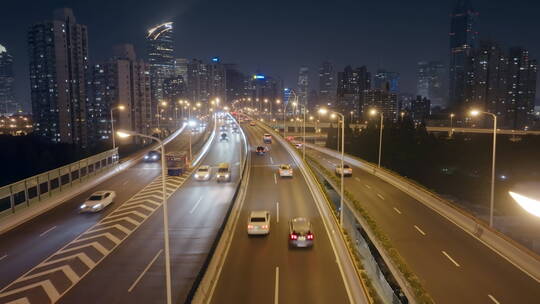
x=293, y=236
x=310, y=236
x=250, y=226
x=264, y=226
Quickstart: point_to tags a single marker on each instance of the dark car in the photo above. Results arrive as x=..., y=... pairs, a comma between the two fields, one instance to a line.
x=260, y=150
x=152, y=156
x=300, y=232
x=223, y=137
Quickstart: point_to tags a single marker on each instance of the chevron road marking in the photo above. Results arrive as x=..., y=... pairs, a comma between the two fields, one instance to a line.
x=62, y=270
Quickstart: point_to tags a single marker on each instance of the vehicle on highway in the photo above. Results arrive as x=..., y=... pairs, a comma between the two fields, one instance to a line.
x=267, y=138
x=260, y=150
x=300, y=233
x=152, y=156
x=258, y=223
x=223, y=137
x=202, y=173
x=285, y=170
x=223, y=173
x=252, y=123
x=235, y=129
x=97, y=201
x=223, y=128
x=176, y=162
x=347, y=170
x=298, y=145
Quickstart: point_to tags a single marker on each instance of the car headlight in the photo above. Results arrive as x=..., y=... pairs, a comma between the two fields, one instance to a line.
x=146, y=157
x=154, y=157
x=196, y=175
x=96, y=206
x=227, y=175
x=83, y=206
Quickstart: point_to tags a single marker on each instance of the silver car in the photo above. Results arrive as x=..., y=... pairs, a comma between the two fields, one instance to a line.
x=223, y=173
x=202, y=173
x=300, y=232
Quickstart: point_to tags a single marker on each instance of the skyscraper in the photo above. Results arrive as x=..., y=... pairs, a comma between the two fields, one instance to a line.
x=8, y=105
x=384, y=78
x=181, y=67
x=198, y=81
x=327, y=84
x=351, y=84
x=217, y=79
x=463, y=38
x=522, y=74
x=161, y=60
x=58, y=57
x=381, y=99
x=430, y=82
x=303, y=85
x=122, y=80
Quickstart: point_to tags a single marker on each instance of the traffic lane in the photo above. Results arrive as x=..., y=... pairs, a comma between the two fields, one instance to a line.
x=196, y=211
x=249, y=273
x=472, y=270
x=30, y=243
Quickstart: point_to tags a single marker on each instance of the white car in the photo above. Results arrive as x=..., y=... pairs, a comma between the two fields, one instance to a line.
x=347, y=170
x=97, y=201
x=285, y=170
x=202, y=173
x=258, y=223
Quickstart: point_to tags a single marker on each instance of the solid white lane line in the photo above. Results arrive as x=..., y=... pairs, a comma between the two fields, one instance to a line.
x=144, y=271
x=125, y=183
x=277, y=212
x=358, y=179
x=3, y=257
x=271, y=160
x=450, y=258
x=45, y=232
x=397, y=210
x=196, y=205
x=276, y=290
x=380, y=196
x=492, y=298
x=419, y=230
x=275, y=179
x=367, y=186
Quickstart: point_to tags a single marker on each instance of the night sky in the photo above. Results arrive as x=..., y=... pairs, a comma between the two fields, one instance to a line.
x=278, y=36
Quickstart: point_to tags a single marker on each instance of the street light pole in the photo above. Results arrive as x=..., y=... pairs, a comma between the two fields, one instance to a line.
x=165, y=210
x=119, y=107
x=380, y=139
x=451, y=124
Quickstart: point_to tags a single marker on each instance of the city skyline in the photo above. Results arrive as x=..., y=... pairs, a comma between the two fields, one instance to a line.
x=424, y=39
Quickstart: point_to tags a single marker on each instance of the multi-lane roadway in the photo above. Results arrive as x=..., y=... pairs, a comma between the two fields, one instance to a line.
x=453, y=266
x=264, y=269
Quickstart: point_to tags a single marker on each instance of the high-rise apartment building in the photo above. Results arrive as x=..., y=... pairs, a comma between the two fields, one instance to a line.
x=351, y=84
x=122, y=80
x=58, y=58
x=160, y=52
x=174, y=89
x=381, y=99
x=303, y=85
x=8, y=105
x=463, y=38
x=327, y=84
x=181, y=67
x=386, y=79
x=218, y=81
x=430, y=82
x=521, y=82
x=234, y=83
x=198, y=81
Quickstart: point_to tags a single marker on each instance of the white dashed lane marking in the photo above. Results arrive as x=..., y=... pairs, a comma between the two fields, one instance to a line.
x=451, y=259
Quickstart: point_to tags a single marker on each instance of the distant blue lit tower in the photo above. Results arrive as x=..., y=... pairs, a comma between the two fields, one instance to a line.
x=463, y=38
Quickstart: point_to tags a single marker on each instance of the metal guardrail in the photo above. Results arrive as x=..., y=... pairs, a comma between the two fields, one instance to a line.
x=33, y=190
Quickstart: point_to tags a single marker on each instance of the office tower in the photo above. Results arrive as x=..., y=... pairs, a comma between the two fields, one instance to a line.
x=8, y=105
x=430, y=82
x=521, y=83
x=419, y=109
x=122, y=80
x=264, y=91
x=381, y=99
x=303, y=85
x=463, y=36
x=327, y=84
x=217, y=85
x=384, y=78
x=351, y=84
x=181, y=67
x=160, y=49
x=174, y=89
x=234, y=83
x=58, y=58
x=198, y=82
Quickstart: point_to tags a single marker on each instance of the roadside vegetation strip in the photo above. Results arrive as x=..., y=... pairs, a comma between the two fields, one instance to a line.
x=421, y=295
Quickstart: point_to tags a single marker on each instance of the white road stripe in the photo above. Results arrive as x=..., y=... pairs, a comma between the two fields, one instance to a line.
x=275, y=179
x=450, y=258
x=492, y=298
x=276, y=290
x=196, y=205
x=277, y=212
x=358, y=179
x=367, y=186
x=45, y=232
x=380, y=196
x=271, y=160
x=144, y=271
x=3, y=257
x=397, y=210
x=125, y=183
x=419, y=230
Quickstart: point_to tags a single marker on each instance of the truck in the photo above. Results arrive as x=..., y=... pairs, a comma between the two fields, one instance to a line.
x=176, y=163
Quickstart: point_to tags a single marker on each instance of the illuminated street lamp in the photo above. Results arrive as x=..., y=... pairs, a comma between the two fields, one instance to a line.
x=324, y=111
x=121, y=108
x=452, y=124
x=475, y=112
x=374, y=112
x=124, y=134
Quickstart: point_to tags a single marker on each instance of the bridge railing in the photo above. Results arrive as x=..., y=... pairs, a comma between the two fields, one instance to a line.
x=44, y=186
